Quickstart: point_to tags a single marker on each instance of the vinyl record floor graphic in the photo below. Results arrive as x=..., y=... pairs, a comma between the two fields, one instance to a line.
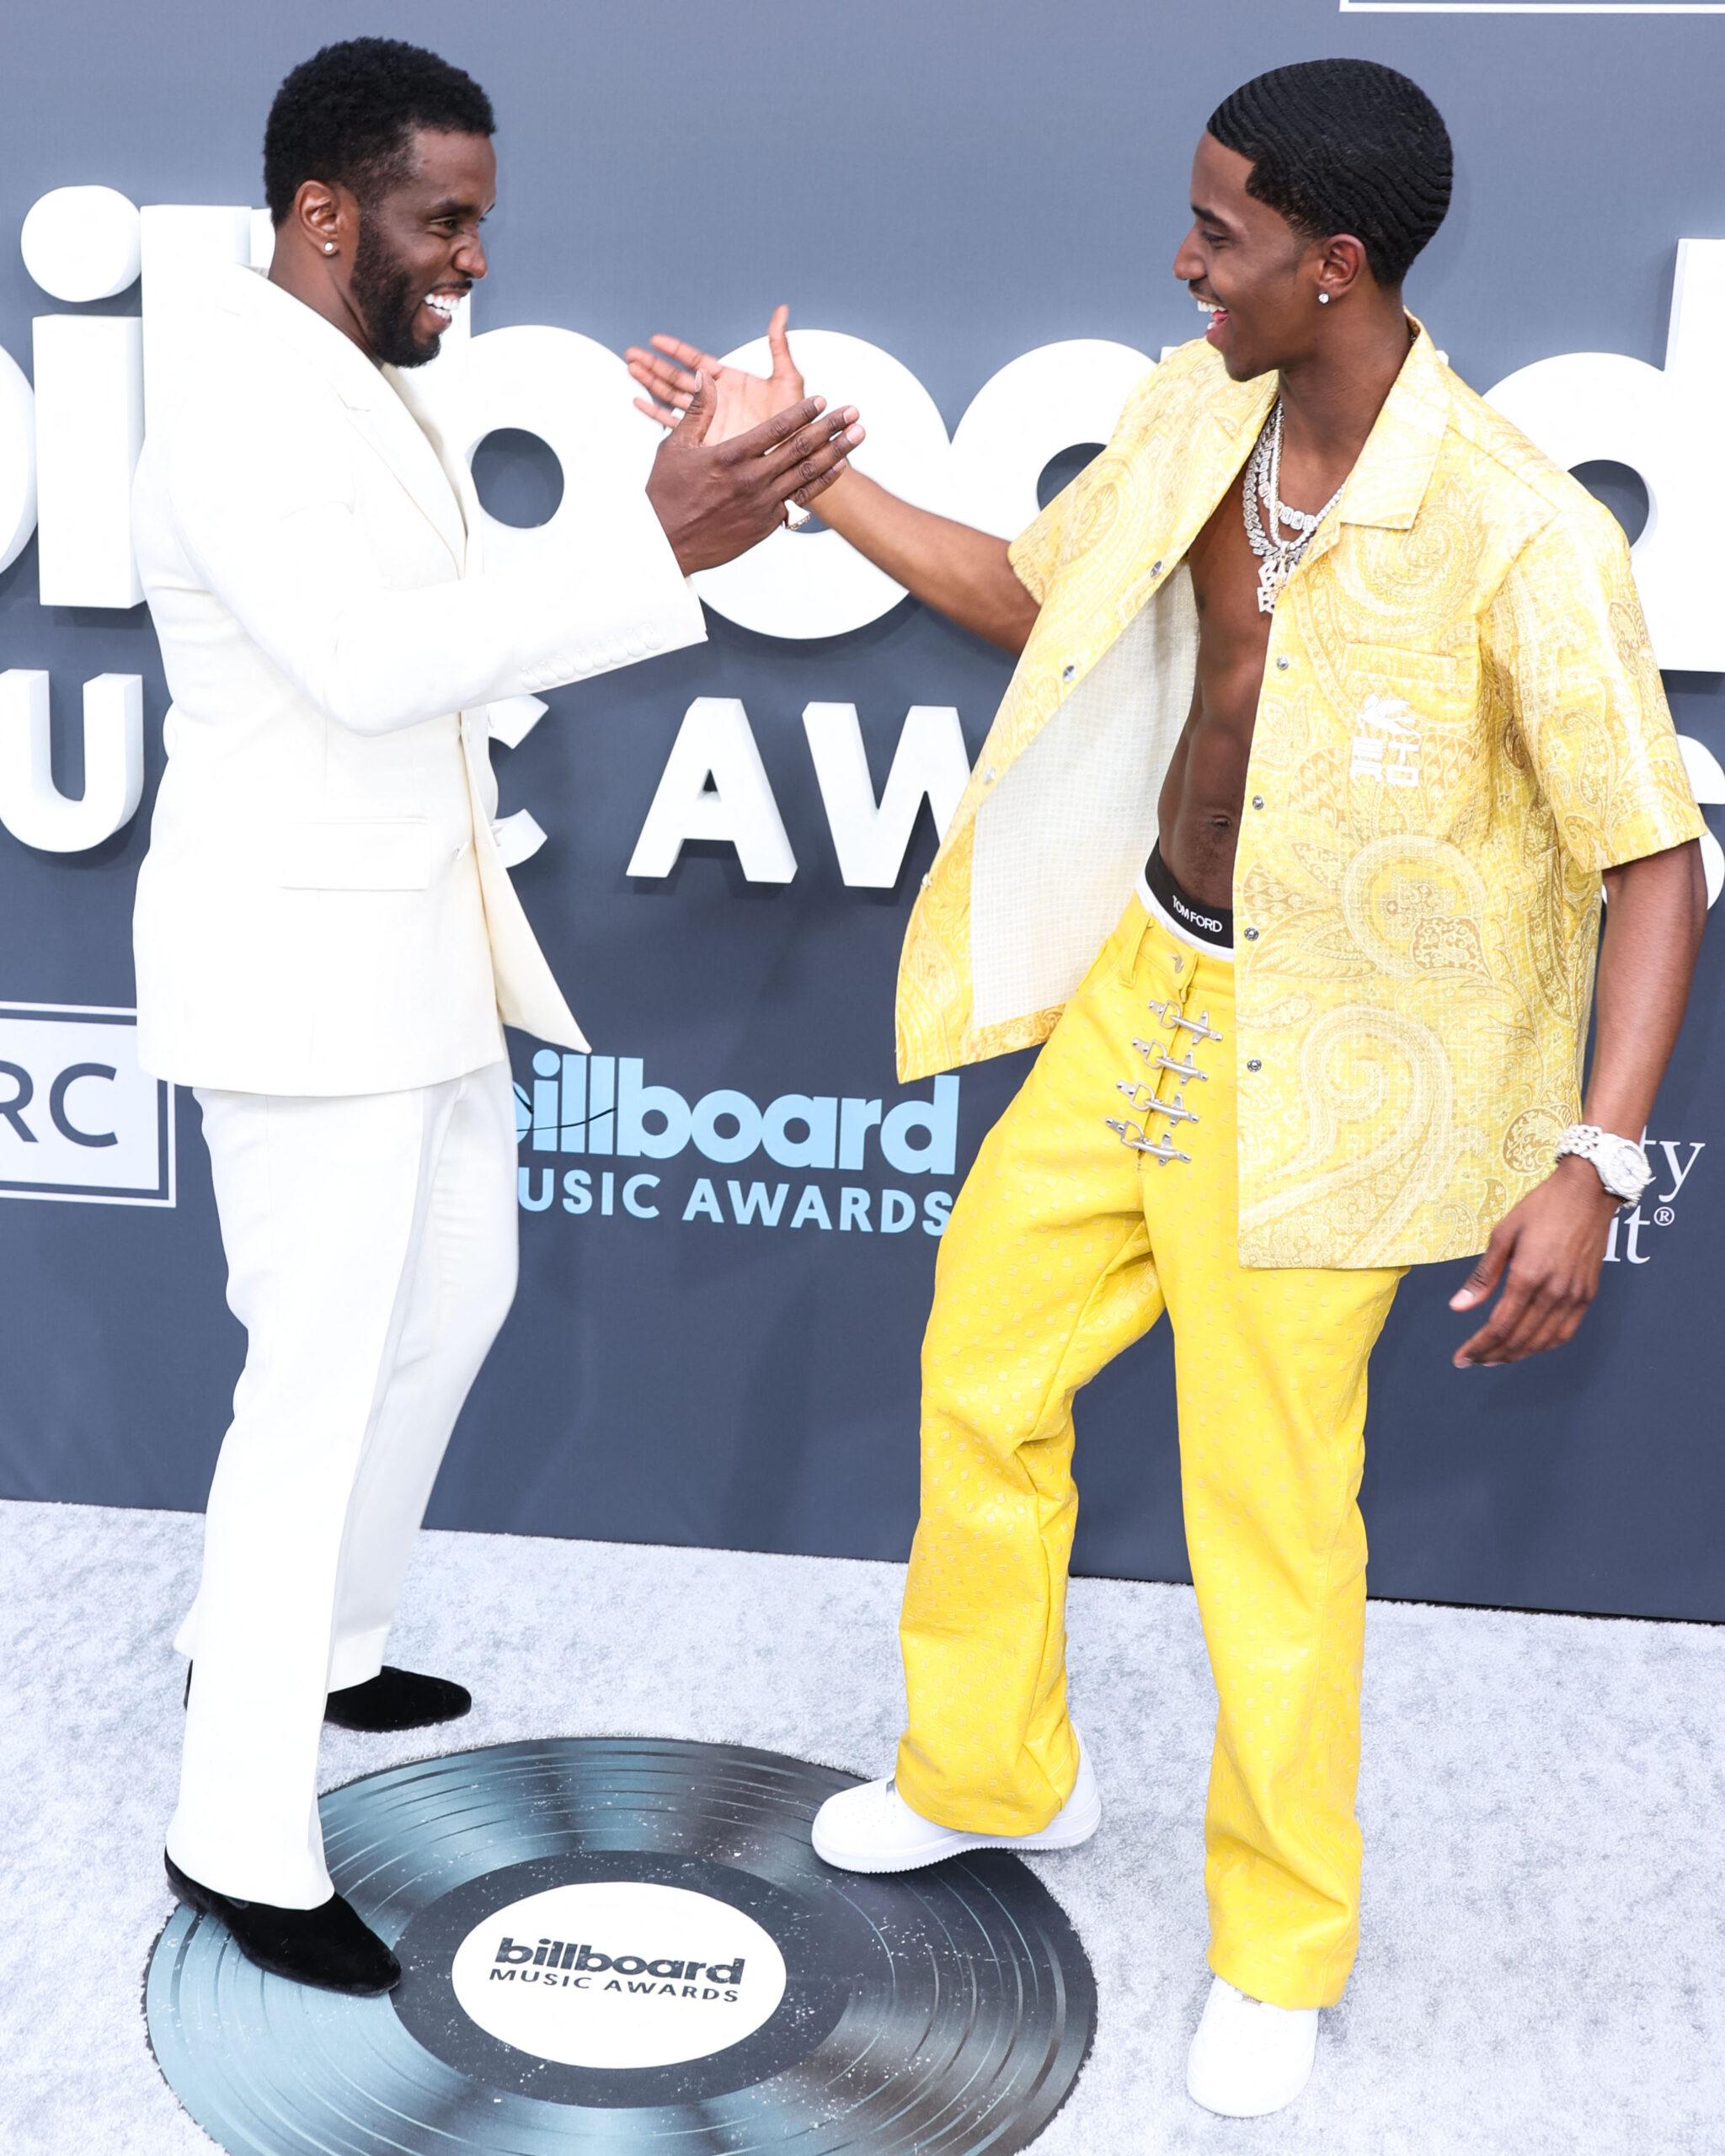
x=626, y=1944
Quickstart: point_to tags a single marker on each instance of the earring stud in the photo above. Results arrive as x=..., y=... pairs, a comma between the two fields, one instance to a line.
x=1323, y=299
x=329, y=246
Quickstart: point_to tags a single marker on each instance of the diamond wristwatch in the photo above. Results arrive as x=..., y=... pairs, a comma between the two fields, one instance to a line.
x=1621, y=1166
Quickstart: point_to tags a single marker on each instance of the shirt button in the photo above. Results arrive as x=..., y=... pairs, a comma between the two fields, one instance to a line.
x=1257, y=801
x=1252, y=1064
x=1155, y=568
x=926, y=881
x=1068, y=670
x=988, y=776
x=1282, y=664
x=1252, y=935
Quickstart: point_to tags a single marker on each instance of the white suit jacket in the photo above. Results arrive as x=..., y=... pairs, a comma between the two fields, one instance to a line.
x=322, y=908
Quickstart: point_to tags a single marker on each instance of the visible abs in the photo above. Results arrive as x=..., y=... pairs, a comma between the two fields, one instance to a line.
x=1201, y=801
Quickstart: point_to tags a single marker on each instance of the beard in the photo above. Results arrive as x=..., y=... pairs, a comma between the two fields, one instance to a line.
x=386, y=295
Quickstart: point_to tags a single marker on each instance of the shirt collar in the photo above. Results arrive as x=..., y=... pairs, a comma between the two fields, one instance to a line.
x=1388, y=481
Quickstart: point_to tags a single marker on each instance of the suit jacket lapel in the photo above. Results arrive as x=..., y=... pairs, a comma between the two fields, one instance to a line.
x=457, y=474
x=373, y=396
x=395, y=430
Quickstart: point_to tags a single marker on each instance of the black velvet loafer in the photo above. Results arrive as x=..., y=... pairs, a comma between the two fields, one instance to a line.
x=397, y=1699
x=394, y=1699
x=331, y=1946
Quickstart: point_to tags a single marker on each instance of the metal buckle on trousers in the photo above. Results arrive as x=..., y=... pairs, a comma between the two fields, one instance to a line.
x=1175, y=1110
x=1200, y=1027
x=1132, y=1134
x=1158, y=1059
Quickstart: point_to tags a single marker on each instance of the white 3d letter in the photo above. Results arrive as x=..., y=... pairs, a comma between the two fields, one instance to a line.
x=1667, y=425
x=89, y=429
x=1051, y=399
x=82, y=244
x=554, y=383
x=715, y=741
x=18, y=460
x=32, y=807
x=869, y=838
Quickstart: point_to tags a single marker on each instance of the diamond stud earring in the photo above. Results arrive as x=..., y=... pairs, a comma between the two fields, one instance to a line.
x=1323, y=299
x=329, y=246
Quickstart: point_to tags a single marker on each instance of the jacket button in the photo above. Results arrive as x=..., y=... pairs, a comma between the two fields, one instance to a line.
x=1253, y=1063
x=1068, y=670
x=1257, y=801
x=1155, y=568
x=1252, y=935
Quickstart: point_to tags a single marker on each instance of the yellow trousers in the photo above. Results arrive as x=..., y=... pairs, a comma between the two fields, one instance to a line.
x=1069, y=1238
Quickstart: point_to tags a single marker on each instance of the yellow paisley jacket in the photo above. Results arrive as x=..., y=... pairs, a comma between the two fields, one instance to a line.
x=1461, y=725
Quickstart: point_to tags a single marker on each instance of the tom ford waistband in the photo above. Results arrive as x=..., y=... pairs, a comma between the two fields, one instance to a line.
x=1210, y=927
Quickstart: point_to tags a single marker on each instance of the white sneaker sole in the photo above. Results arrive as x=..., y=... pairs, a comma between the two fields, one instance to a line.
x=1228, y=2075
x=1063, y=1834
x=1221, y=2105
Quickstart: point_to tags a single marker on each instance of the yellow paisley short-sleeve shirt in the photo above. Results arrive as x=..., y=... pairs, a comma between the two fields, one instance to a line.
x=1461, y=725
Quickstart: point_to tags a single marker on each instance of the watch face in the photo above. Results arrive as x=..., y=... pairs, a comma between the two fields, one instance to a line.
x=1624, y=1166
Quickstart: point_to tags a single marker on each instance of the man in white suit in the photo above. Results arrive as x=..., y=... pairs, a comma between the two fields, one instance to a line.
x=327, y=943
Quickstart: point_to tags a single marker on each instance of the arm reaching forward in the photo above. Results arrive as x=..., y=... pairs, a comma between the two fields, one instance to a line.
x=960, y=572
x=263, y=507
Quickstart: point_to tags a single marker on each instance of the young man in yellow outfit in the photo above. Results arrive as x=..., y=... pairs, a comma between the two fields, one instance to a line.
x=1365, y=677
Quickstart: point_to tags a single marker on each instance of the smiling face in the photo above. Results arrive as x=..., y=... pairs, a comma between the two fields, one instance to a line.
x=1256, y=277
x=419, y=247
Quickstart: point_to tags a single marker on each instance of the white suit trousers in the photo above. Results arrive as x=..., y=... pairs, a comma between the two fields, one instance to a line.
x=371, y=1255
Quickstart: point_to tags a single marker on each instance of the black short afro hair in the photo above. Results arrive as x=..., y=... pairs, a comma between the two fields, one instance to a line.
x=349, y=113
x=1344, y=146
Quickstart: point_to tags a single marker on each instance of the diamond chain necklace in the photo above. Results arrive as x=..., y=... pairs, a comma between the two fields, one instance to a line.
x=1280, y=557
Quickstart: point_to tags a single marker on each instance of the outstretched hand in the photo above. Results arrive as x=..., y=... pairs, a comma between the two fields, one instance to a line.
x=667, y=371
x=715, y=499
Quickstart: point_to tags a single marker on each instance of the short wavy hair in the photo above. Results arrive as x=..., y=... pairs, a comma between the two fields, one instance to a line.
x=349, y=114
x=1344, y=146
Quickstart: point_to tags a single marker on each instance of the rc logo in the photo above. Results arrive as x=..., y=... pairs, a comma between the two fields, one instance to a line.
x=78, y=1118
x=619, y=1973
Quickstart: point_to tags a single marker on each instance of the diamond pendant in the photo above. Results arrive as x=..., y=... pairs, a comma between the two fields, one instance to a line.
x=1271, y=576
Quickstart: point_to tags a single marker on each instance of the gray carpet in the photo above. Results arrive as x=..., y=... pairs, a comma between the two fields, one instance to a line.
x=1543, y=1972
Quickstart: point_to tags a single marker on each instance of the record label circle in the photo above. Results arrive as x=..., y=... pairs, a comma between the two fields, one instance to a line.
x=602, y=1973
x=628, y=1944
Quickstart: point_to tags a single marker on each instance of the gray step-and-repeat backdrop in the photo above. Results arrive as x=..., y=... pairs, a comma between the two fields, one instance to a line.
x=717, y=1335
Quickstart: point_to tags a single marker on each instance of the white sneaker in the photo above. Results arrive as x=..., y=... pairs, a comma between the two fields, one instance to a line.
x=872, y=1829
x=1248, y=2057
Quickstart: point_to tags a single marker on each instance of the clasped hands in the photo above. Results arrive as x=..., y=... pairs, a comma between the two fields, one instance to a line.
x=738, y=446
